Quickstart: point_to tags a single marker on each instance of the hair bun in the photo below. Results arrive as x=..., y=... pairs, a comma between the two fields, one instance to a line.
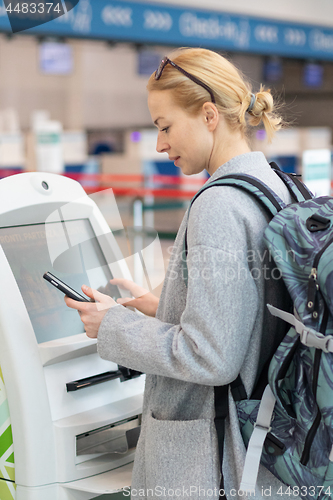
x=263, y=103
x=263, y=110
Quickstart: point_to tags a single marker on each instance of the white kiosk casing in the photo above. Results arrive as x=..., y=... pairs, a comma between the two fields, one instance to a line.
x=66, y=444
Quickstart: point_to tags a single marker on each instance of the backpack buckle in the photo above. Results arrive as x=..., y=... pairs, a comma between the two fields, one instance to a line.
x=311, y=338
x=262, y=427
x=317, y=223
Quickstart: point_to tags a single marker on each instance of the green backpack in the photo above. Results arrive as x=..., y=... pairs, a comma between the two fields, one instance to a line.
x=290, y=430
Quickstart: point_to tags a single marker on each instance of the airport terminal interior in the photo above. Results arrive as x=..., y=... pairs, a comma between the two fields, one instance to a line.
x=74, y=120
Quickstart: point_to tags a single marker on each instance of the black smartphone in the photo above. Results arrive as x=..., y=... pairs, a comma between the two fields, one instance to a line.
x=67, y=290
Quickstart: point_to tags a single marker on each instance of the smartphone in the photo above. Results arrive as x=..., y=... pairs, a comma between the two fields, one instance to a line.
x=67, y=290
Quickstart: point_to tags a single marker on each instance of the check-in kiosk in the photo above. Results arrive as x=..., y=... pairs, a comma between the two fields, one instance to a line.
x=69, y=421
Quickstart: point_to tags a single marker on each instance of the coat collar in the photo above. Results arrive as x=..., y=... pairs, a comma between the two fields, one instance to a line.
x=247, y=163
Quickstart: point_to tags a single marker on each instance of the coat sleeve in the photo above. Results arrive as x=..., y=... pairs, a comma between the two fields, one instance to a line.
x=210, y=343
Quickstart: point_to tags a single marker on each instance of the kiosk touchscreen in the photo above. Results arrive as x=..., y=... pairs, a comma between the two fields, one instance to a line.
x=69, y=421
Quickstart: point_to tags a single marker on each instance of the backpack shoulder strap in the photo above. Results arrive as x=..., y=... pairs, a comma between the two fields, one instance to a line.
x=269, y=200
x=266, y=197
x=297, y=189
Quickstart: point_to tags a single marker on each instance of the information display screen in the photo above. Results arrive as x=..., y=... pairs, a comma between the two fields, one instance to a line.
x=56, y=58
x=70, y=251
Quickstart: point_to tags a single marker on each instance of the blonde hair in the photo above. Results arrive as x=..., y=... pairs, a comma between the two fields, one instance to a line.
x=232, y=92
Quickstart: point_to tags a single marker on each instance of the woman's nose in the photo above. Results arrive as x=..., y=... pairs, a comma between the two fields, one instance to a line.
x=161, y=146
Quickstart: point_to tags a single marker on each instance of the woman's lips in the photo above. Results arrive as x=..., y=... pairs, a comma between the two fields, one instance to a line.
x=174, y=159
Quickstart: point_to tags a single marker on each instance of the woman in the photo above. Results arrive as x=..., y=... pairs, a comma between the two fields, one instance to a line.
x=205, y=332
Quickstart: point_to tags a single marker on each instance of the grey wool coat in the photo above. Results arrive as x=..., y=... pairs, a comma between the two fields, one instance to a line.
x=203, y=335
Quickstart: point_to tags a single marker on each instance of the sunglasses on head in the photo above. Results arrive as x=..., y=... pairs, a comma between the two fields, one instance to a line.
x=166, y=60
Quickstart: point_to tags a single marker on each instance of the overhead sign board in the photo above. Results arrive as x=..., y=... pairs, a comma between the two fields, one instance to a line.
x=142, y=22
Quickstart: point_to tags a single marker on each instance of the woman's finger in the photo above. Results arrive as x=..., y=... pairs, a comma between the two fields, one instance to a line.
x=133, y=288
x=96, y=295
x=127, y=301
x=121, y=282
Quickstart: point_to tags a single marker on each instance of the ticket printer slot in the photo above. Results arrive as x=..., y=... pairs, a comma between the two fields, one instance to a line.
x=118, y=437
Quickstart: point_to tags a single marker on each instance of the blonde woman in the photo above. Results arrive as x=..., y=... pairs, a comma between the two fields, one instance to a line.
x=205, y=332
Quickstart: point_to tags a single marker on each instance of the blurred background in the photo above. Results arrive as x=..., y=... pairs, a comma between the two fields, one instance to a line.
x=73, y=96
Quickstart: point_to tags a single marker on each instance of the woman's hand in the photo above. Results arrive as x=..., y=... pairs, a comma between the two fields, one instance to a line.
x=91, y=313
x=143, y=300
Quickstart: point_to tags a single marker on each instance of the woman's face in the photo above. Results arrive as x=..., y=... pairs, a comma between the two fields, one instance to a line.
x=185, y=138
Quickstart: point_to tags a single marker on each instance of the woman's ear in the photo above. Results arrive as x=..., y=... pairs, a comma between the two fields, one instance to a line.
x=211, y=115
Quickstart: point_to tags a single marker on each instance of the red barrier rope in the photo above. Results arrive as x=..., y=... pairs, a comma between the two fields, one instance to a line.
x=104, y=178
x=101, y=182
x=6, y=172
x=125, y=178
x=140, y=192
x=172, y=179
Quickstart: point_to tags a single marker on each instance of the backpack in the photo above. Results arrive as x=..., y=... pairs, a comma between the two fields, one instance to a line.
x=290, y=430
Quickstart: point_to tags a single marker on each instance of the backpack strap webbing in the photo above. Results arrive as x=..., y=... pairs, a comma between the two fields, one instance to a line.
x=254, y=449
x=297, y=189
x=221, y=404
x=270, y=200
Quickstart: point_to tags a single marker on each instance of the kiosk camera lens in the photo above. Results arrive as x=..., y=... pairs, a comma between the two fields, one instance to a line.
x=45, y=185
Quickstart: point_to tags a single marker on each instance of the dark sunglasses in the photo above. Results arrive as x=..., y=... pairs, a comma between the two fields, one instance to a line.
x=166, y=60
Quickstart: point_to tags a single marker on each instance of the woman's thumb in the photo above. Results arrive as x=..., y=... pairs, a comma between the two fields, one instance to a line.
x=92, y=293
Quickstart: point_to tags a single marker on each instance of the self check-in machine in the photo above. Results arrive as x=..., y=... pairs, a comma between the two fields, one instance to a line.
x=69, y=421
